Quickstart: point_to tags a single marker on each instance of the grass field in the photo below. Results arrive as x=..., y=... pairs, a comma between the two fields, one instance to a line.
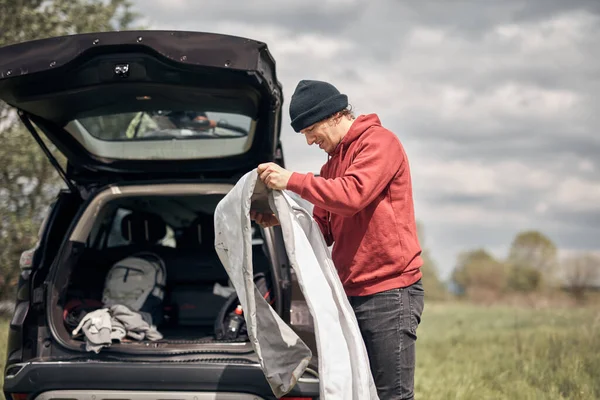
x=3, y=334
x=471, y=352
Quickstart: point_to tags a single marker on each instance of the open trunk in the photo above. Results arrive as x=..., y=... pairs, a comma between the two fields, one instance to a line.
x=147, y=105
x=174, y=222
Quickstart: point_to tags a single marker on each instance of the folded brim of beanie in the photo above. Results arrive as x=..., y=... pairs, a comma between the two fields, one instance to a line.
x=320, y=111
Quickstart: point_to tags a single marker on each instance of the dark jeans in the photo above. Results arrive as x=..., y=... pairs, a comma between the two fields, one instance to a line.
x=388, y=322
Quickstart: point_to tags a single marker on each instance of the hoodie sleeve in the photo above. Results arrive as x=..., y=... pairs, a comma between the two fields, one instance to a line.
x=376, y=162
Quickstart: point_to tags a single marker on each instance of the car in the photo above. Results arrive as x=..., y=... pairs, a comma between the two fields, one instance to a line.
x=156, y=127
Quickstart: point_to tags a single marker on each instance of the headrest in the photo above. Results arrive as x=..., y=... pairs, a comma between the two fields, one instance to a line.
x=143, y=228
x=200, y=233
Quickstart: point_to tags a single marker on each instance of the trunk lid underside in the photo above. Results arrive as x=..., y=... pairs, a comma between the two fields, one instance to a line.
x=125, y=104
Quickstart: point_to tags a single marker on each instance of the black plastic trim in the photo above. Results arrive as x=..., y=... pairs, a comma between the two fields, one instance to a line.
x=35, y=378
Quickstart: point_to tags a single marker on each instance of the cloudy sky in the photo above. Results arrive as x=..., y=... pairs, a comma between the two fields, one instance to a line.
x=495, y=102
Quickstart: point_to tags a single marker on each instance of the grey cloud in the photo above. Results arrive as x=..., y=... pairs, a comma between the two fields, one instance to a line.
x=577, y=220
x=357, y=18
x=584, y=77
x=447, y=242
x=466, y=59
x=580, y=233
x=350, y=74
x=490, y=205
x=473, y=236
x=380, y=28
x=497, y=204
x=543, y=9
x=533, y=140
x=532, y=145
x=469, y=236
x=473, y=18
x=304, y=16
x=568, y=227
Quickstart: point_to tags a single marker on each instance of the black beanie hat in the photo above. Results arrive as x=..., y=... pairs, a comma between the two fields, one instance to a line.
x=313, y=101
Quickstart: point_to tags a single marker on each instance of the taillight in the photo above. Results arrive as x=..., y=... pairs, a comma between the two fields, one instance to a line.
x=26, y=262
x=298, y=398
x=27, y=258
x=19, y=396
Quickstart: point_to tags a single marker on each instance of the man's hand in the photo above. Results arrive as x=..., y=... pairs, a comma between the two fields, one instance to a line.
x=274, y=176
x=264, y=220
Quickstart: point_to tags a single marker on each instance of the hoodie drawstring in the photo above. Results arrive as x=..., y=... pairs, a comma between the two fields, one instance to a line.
x=341, y=155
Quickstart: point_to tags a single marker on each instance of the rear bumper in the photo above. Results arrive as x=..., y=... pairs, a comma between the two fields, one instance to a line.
x=141, y=395
x=41, y=377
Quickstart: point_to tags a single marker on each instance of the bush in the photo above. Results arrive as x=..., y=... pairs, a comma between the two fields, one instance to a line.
x=6, y=309
x=524, y=279
x=478, y=271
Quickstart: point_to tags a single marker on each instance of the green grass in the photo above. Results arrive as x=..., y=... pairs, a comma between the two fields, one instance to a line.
x=3, y=338
x=471, y=352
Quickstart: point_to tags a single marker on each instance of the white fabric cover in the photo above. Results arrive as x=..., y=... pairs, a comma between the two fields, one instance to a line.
x=343, y=363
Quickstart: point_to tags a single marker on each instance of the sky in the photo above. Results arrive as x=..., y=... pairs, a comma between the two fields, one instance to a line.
x=495, y=103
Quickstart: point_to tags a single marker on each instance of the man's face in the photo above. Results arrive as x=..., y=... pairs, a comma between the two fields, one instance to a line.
x=206, y=123
x=322, y=134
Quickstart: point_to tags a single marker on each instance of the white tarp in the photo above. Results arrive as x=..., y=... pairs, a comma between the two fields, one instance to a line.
x=343, y=363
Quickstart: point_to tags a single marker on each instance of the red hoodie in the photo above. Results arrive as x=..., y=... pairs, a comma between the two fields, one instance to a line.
x=364, y=207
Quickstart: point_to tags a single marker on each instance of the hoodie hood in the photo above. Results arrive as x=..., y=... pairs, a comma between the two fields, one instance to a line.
x=358, y=127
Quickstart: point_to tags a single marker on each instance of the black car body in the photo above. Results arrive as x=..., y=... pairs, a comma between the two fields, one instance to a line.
x=156, y=127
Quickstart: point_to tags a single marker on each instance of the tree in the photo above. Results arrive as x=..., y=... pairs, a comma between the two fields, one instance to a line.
x=37, y=19
x=477, y=271
x=533, y=260
x=27, y=179
x=433, y=286
x=582, y=273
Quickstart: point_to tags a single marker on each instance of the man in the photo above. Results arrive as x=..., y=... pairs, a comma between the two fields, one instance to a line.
x=363, y=204
x=148, y=124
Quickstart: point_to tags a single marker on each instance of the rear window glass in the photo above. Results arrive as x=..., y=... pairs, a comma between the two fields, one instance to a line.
x=167, y=124
x=164, y=134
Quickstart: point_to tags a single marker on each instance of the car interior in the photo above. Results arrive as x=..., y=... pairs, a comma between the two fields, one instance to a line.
x=180, y=230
